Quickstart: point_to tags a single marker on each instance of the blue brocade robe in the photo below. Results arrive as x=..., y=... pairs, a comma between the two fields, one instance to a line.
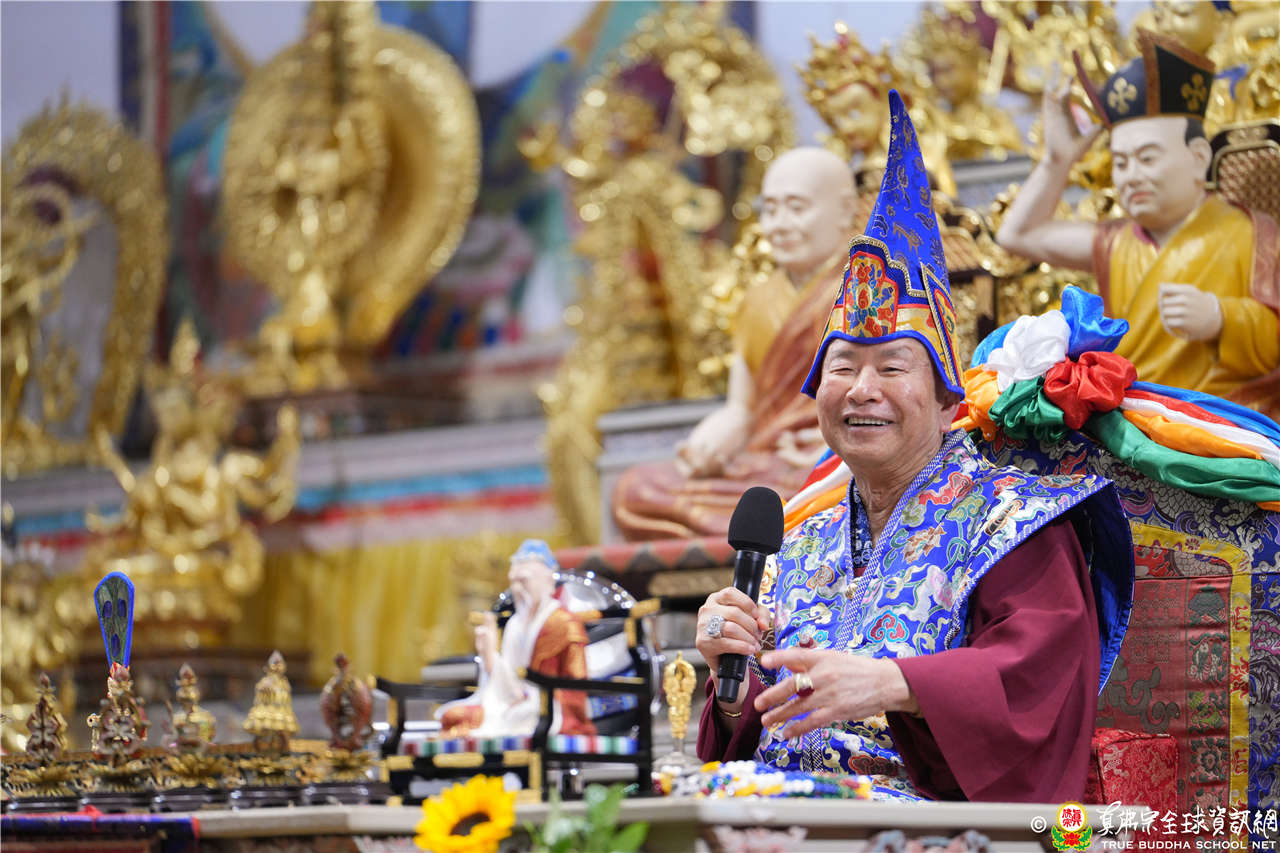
x=957, y=519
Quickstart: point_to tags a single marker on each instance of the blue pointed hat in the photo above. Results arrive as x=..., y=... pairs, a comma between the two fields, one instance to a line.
x=536, y=549
x=895, y=285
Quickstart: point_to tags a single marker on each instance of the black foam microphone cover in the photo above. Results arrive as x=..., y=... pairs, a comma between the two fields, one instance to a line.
x=756, y=524
x=755, y=530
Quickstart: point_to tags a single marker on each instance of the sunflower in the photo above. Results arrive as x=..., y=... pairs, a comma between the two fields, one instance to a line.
x=470, y=818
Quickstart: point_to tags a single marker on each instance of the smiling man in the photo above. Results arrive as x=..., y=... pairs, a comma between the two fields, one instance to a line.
x=940, y=629
x=1197, y=278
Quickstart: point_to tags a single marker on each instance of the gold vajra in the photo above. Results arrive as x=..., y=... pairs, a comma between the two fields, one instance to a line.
x=678, y=683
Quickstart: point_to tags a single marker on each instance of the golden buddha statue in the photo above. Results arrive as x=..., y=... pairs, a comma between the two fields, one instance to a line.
x=1033, y=38
x=1242, y=43
x=180, y=533
x=328, y=205
x=271, y=720
x=848, y=86
x=952, y=65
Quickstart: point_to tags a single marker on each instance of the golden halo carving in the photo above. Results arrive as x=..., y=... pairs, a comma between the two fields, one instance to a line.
x=99, y=159
x=406, y=200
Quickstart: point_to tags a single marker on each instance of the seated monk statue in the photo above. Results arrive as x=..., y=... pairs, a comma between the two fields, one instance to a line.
x=766, y=432
x=542, y=635
x=1197, y=278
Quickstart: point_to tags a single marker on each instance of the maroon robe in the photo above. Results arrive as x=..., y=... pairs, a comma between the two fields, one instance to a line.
x=1008, y=717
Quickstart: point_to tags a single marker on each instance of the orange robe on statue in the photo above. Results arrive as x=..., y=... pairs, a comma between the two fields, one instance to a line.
x=559, y=651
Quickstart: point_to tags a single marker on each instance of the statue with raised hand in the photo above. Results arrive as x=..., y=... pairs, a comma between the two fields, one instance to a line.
x=1197, y=278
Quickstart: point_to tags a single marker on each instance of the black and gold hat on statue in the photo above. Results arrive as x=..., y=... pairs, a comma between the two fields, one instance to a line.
x=1168, y=79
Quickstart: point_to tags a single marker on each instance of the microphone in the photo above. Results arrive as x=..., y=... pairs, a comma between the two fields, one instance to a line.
x=756, y=531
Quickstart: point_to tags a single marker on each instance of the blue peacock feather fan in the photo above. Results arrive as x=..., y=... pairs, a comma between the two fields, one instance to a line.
x=114, y=599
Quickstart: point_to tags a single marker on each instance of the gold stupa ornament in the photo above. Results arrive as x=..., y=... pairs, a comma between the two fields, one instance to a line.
x=181, y=535
x=64, y=163
x=271, y=720
x=352, y=164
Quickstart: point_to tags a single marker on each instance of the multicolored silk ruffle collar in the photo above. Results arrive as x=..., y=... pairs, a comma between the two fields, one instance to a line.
x=1042, y=377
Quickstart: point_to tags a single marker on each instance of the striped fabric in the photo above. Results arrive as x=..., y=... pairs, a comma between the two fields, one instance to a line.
x=594, y=744
x=419, y=744
x=825, y=487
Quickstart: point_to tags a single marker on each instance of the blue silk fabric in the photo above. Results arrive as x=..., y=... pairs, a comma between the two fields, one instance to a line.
x=958, y=518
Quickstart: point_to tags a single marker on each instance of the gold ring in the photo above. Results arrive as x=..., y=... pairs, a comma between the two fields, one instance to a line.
x=804, y=684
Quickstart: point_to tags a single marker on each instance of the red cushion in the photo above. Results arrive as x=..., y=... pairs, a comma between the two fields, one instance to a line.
x=1133, y=768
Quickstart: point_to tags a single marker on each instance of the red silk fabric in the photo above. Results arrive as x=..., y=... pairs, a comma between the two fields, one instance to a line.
x=1095, y=383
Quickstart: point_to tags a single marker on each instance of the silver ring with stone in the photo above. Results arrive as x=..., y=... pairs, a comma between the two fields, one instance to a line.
x=715, y=626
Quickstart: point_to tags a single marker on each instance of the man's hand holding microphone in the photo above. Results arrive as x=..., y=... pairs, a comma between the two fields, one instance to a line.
x=731, y=624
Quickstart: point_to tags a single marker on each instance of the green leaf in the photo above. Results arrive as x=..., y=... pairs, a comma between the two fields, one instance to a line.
x=603, y=805
x=559, y=827
x=630, y=838
x=1085, y=835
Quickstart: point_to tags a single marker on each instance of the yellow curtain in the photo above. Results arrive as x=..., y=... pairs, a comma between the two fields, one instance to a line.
x=391, y=608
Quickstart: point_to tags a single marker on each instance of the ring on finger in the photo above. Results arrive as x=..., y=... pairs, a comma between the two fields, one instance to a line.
x=804, y=684
x=715, y=626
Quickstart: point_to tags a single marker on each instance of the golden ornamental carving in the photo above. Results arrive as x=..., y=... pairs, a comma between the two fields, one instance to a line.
x=953, y=72
x=46, y=744
x=63, y=159
x=848, y=86
x=1032, y=38
x=1249, y=51
x=649, y=324
x=120, y=770
x=842, y=80
x=678, y=683
x=181, y=536
x=352, y=163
